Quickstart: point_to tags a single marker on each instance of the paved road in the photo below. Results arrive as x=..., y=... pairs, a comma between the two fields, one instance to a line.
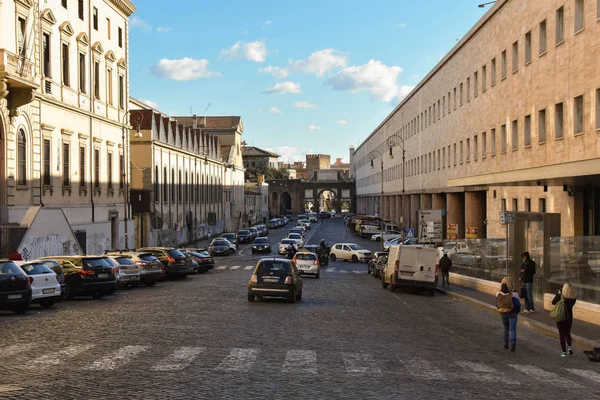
x=200, y=338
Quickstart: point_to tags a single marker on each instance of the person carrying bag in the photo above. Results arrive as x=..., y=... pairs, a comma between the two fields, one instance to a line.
x=509, y=306
x=562, y=313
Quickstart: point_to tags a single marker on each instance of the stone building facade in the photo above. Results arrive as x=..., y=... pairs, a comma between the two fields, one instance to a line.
x=508, y=120
x=64, y=84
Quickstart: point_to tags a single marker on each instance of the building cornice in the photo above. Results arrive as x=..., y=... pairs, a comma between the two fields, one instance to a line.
x=125, y=6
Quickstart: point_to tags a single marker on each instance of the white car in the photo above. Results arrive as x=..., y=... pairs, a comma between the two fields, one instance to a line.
x=284, y=244
x=349, y=251
x=308, y=263
x=297, y=237
x=305, y=224
x=232, y=246
x=45, y=289
x=386, y=235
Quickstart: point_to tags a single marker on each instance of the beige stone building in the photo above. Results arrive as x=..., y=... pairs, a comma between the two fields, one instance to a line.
x=64, y=83
x=509, y=120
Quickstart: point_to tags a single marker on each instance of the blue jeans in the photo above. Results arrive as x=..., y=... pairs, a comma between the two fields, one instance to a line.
x=510, y=325
x=529, y=296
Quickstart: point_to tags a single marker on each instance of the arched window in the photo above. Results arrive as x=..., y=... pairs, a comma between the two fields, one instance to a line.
x=22, y=158
x=165, y=186
x=173, y=185
x=179, y=187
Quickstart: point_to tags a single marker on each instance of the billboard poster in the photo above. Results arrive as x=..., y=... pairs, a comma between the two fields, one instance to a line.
x=452, y=231
x=430, y=226
x=472, y=233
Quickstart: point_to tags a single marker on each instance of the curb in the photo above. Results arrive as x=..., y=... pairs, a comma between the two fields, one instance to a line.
x=580, y=342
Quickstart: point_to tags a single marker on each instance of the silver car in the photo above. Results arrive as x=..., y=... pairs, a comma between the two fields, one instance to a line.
x=308, y=263
x=150, y=268
x=128, y=273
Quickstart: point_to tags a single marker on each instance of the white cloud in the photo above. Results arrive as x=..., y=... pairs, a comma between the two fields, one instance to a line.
x=290, y=154
x=253, y=51
x=137, y=22
x=304, y=104
x=283, y=87
x=277, y=72
x=267, y=23
x=319, y=62
x=313, y=127
x=163, y=29
x=402, y=25
x=185, y=69
x=342, y=122
x=274, y=110
x=151, y=103
x=374, y=77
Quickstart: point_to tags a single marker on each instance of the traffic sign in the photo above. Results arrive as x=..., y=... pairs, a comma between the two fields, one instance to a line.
x=508, y=217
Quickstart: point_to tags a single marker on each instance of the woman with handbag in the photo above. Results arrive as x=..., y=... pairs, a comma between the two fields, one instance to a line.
x=508, y=305
x=562, y=312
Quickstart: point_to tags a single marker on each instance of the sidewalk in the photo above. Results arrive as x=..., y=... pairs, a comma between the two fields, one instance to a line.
x=584, y=334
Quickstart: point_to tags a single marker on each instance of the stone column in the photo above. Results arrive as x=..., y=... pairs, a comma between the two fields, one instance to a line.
x=475, y=212
x=455, y=212
x=426, y=201
x=439, y=203
x=392, y=205
x=398, y=210
x=407, y=211
x=415, y=206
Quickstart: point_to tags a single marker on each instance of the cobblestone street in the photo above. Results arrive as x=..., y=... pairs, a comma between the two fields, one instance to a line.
x=348, y=338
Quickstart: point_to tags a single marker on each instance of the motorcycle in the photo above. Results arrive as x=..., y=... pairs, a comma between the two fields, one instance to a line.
x=323, y=255
x=290, y=253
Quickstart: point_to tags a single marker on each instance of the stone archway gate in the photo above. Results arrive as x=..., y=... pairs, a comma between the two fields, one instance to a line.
x=302, y=190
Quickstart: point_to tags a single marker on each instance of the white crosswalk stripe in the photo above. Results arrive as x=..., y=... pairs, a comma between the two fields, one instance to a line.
x=483, y=372
x=249, y=267
x=16, y=349
x=235, y=267
x=117, y=359
x=179, y=359
x=59, y=356
x=361, y=363
x=239, y=360
x=343, y=271
x=300, y=361
x=591, y=375
x=545, y=376
x=422, y=369
x=222, y=267
x=358, y=272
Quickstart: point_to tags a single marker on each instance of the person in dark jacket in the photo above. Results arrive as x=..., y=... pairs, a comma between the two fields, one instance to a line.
x=445, y=265
x=527, y=273
x=564, y=327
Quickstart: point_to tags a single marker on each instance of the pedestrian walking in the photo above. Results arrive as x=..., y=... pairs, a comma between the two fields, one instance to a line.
x=527, y=274
x=563, y=315
x=445, y=265
x=508, y=305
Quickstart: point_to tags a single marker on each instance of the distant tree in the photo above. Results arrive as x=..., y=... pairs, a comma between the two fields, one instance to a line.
x=270, y=173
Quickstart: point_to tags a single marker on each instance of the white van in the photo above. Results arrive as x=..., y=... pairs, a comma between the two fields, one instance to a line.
x=411, y=267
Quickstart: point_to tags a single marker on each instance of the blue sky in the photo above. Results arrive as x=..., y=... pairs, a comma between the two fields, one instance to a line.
x=310, y=76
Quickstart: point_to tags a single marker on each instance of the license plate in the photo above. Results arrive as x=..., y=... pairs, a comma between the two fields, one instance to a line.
x=46, y=291
x=406, y=273
x=102, y=275
x=14, y=296
x=270, y=280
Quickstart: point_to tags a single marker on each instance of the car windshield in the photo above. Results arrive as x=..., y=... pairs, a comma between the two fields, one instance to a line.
x=9, y=268
x=175, y=253
x=36, y=269
x=353, y=246
x=97, y=262
x=53, y=265
x=449, y=246
x=229, y=236
x=220, y=243
x=295, y=236
x=197, y=255
x=261, y=241
x=243, y=232
x=288, y=241
x=305, y=256
x=124, y=261
x=273, y=266
x=147, y=257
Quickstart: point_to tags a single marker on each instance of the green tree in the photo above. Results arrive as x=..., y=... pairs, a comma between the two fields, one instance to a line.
x=270, y=173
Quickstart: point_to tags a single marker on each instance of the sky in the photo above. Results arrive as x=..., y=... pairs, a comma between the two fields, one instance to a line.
x=306, y=77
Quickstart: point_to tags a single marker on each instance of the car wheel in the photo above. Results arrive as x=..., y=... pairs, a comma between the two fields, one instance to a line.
x=292, y=298
x=384, y=285
x=431, y=292
x=318, y=275
x=47, y=303
x=69, y=294
x=354, y=258
x=253, y=252
x=378, y=239
x=151, y=283
x=332, y=256
x=97, y=295
x=20, y=309
x=392, y=285
x=183, y=277
x=299, y=296
x=250, y=297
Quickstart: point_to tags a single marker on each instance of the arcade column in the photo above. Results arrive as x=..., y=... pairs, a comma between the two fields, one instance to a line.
x=455, y=212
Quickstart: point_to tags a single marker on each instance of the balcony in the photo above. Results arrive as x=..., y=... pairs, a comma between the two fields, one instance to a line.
x=17, y=80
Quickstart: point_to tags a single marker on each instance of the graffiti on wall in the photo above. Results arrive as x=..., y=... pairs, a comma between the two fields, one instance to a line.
x=97, y=243
x=54, y=244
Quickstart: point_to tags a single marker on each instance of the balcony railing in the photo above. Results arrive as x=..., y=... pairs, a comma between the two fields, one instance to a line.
x=18, y=65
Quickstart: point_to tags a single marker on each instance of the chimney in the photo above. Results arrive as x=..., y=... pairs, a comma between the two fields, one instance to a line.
x=195, y=123
x=261, y=179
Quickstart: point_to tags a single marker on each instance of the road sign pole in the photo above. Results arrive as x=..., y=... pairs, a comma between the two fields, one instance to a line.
x=506, y=224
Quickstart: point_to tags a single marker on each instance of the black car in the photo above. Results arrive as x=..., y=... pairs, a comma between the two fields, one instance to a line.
x=205, y=262
x=376, y=258
x=87, y=275
x=261, y=245
x=175, y=262
x=275, y=277
x=232, y=237
x=244, y=236
x=220, y=247
x=15, y=288
x=324, y=215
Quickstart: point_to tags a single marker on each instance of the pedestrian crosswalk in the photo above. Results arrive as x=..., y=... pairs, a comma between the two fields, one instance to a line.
x=297, y=361
x=323, y=270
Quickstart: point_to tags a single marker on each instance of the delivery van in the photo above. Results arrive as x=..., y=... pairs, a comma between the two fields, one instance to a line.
x=411, y=267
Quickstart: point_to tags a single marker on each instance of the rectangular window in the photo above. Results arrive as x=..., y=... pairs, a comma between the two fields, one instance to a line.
x=109, y=86
x=47, y=52
x=65, y=64
x=95, y=18
x=543, y=37
x=527, y=205
x=493, y=141
x=66, y=164
x=598, y=102
x=542, y=126
x=515, y=56
x=109, y=171
x=468, y=89
x=542, y=205
x=558, y=121
x=449, y=102
x=444, y=106
x=483, y=145
x=462, y=94
x=560, y=25
x=475, y=148
x=515, y=134
x=468, y=157
x=82, y=79
x=121, y=171
x=494, y=72
x=461, y=152
x=444, y=157
x=97, y=168
x=96, y=79
x=483, y=78
x=439, y=159
x=528, y=47
x=47, y=165
x=434, y=113
x=22, y=26
x=527, y=130
x=81, y=166
x=579, y=15
x=120, y=37
x=503, y=65
x=455, y=157
x=439, y=114
x=80, y=9
x=515, y=204
x=64, y=3
x=121, y=92
x=448, y=156
x=475, y=84
x=503, y=139
x=578, y=115
x=455, y=102
x=108, y=27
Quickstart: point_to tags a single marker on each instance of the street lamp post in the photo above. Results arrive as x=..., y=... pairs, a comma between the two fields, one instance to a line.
x=138, y=120
x=377, y=155
x=393, y=141
x=486, y=4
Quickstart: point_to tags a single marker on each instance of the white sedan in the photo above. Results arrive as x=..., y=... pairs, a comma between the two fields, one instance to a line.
x=45, y=289
x=349, y=251
x=297, y=237
x=386, y=235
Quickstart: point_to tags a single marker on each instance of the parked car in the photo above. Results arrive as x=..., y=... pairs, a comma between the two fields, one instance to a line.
x=261, y=245
x=232, y=237
x=128, y=273
x=275, y=277
x=254, y=232
x=284, y=244
x=349, y=251
x=297, y=237
x=274, y=223
x=305, y=225
x=313, y=217
x=324, y=215
x=45, y=289
x=374, y=259
x=298, y=230
x=386, y=235
x=232, y=246
x=175, y=263
x=413, y=267
x=244, y=236
x=60, y=276
x=262, y=230
x=380, y=265
x=220, y=247
x=192, y=261
x=307, y=263
x=150, y=268
x=15, y=288
x=205, y=261
x=87, y=275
